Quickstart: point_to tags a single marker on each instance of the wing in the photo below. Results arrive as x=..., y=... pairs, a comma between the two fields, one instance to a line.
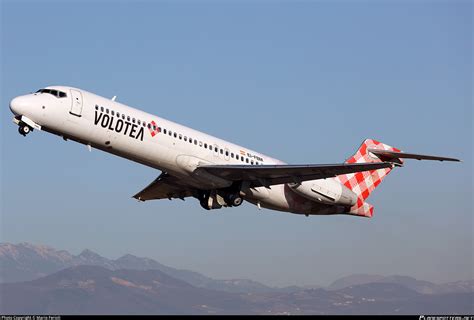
x=165, y=187
x=267, y=175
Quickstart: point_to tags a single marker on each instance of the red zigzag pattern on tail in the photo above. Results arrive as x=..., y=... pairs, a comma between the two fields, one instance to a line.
x=363, y=183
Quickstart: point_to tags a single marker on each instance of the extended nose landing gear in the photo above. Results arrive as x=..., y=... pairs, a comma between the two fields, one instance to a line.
x=24, y=129
x=25, y=125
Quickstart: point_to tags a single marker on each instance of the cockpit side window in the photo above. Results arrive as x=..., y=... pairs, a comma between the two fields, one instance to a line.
x=56, y=93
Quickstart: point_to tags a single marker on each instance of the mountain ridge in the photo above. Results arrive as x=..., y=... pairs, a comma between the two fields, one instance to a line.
x=87, y=289
x=26, y=261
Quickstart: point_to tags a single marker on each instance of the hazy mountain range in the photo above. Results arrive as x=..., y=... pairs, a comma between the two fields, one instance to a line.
x=40, y=279
x=25, y=261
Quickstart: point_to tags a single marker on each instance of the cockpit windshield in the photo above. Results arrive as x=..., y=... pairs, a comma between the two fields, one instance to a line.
x=56, y=93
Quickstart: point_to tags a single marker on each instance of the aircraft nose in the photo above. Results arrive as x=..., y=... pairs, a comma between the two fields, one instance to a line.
x=18, y=105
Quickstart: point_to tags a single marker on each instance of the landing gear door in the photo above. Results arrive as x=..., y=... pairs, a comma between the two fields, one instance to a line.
x=76, y=107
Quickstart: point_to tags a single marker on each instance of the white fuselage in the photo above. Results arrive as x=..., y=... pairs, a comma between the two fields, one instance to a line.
x=128, y=132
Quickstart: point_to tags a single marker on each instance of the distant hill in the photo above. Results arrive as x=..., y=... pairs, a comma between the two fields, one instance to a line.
x=419, y=286
x=97, y=290
x=353, y=280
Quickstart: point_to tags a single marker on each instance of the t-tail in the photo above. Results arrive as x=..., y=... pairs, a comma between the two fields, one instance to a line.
x=364, y=183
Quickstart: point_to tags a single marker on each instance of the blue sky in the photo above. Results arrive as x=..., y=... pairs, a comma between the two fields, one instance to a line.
x=305, y=82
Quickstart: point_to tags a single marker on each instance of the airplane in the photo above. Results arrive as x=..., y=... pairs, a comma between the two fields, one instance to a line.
x=214, y=171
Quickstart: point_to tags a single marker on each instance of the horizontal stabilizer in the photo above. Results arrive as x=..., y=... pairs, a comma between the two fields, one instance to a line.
x=386, y=155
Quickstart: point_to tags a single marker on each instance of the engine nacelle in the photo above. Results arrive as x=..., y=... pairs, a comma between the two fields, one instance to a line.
x=326, y=191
